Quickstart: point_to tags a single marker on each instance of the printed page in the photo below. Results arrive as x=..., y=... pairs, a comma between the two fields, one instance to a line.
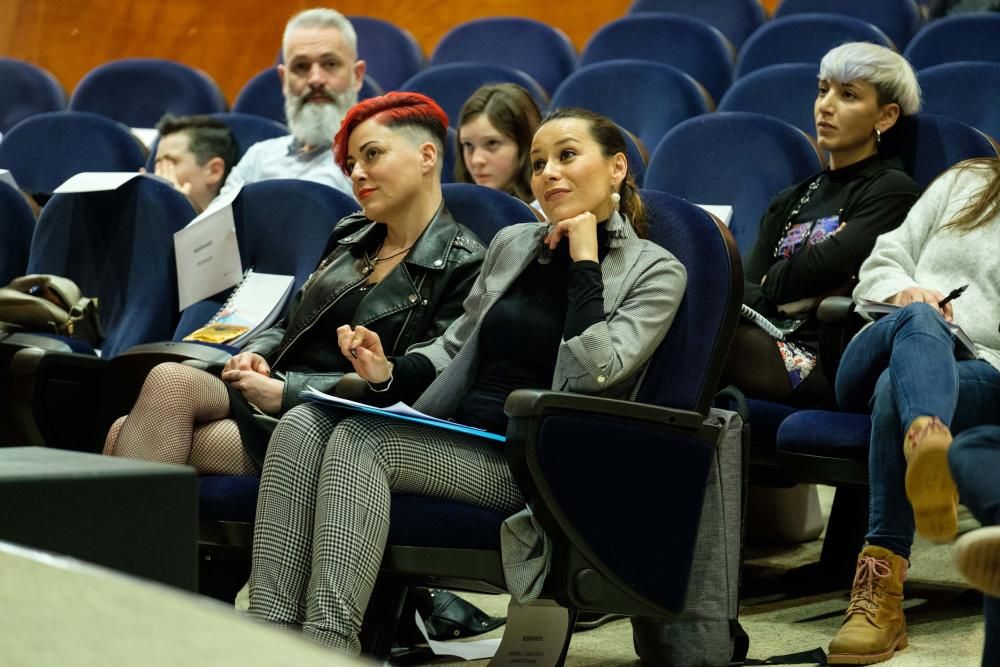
x=208, y=257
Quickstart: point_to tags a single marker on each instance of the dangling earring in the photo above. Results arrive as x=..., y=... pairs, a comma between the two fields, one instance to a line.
x=878, y=136
x=615, y=199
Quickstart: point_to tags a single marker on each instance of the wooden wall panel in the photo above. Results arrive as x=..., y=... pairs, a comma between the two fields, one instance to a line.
x=234, y=39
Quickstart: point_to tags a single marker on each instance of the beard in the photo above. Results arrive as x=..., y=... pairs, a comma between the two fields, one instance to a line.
x=314, y=124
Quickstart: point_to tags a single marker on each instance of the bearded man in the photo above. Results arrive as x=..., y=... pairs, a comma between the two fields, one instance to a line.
x=320, y=79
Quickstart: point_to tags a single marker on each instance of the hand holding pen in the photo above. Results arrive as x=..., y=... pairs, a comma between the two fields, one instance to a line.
x=931, y=297
x=363, y=348
x=952, y=295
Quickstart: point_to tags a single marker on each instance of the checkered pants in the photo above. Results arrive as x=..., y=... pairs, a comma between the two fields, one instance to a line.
x=323, y=511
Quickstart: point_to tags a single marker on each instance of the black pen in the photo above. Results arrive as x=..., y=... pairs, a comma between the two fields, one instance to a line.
x=952, y=295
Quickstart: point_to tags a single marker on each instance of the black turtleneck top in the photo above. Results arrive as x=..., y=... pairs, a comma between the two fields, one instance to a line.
x=520, y=335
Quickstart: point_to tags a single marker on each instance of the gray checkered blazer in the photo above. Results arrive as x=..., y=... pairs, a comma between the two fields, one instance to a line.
x=643, y=286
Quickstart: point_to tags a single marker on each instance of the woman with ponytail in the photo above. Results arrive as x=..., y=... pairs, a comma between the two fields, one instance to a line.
x=576, y=304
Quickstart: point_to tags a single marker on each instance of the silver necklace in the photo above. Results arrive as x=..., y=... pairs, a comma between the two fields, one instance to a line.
x=370, y=262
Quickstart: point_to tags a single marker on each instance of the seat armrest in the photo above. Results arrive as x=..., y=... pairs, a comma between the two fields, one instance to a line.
x=838, y=324
x=55, y=397
x=834, y=309
x=174, y=351
x=591, y=469
x=525, y=403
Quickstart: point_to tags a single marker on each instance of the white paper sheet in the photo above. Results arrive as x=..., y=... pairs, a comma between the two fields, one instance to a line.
x=208, y=256
x=222, y=202
x=147, y=135
x=471, y=650
x=96, y=181
x=8, y=178
x=722, y=212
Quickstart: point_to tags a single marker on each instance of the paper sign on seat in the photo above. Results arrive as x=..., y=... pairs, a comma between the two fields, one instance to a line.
x=208, y=256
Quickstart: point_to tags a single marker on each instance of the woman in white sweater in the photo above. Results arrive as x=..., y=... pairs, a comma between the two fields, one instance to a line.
x=905, y=367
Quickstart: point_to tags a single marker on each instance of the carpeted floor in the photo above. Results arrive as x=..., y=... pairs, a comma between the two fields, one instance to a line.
x=945, y=621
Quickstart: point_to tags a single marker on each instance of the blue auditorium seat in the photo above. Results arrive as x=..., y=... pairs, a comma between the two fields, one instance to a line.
x=646, y=98
x=637, y=154
x=953, y=38
x=44, y=150
x=370, y=88
x=786, y=92
x=138, y=91
x=687, y=43
x=247, y=130
x=899, y=19
x=17, y=224
x=803, y=38
x=958, y=90
x=734, y=158
x=450, y=85
x=737, y=19
x=928, y=144
x=117, y=246
x=28, y=89
x=826, y=447
x=392, y=54
x=538, y=49
x=262, y=95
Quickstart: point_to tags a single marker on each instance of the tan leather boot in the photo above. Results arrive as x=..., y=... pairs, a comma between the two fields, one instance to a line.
x=929, y=486
x=875, y=627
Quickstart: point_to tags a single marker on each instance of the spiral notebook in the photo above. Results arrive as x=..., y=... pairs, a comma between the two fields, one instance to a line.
x=777, y=328
x=252, y=307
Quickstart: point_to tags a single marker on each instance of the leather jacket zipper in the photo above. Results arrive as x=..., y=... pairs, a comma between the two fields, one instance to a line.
x=286, y=346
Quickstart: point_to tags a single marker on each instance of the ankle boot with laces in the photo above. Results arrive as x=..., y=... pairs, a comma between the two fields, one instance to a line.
x=875, y=627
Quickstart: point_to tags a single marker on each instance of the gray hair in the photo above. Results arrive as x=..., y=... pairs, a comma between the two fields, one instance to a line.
x=320, y=18
x=889, y=72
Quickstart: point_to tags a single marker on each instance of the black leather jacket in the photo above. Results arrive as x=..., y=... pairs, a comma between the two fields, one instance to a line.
x=414, y=303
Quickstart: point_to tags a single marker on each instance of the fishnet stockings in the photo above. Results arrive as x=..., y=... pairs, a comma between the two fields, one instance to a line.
x=182, y=416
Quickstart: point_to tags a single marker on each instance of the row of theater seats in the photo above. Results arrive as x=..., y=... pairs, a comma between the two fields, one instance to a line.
x=138, y=91
x=605, y=560
x=700, y=156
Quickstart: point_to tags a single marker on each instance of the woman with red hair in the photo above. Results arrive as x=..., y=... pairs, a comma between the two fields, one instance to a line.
x=401, y=266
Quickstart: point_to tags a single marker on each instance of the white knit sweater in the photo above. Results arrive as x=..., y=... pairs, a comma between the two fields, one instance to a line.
x=920, y=253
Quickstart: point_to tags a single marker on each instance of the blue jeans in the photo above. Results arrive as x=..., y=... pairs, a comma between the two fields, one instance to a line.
x=974, y=459
x=903, y=366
